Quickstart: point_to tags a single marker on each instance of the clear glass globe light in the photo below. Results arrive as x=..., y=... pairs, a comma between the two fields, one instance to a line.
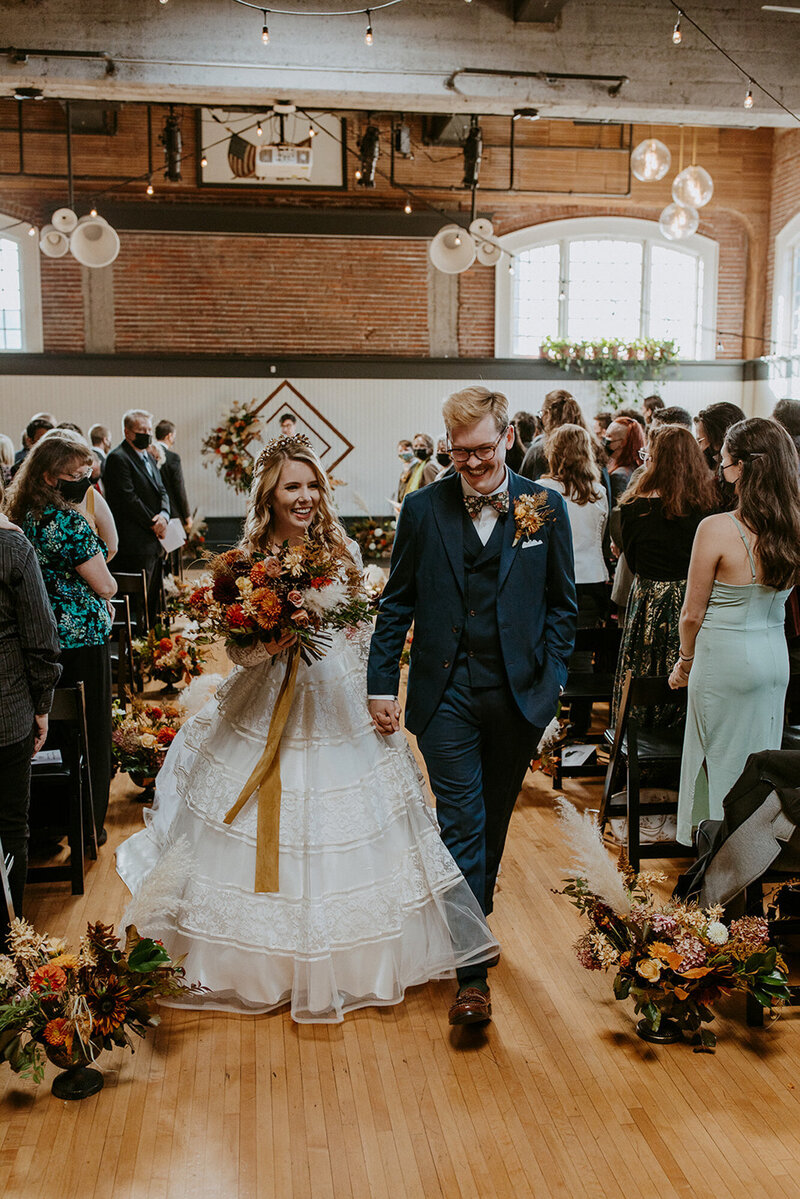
x=694, y=187
x=650, y=160
x=678, y=221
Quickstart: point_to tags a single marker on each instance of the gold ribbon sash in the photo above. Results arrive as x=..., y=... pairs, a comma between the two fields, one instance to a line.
x=266, y=780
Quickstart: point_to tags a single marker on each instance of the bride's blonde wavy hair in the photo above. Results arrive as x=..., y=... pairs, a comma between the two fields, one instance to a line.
x=258, y=528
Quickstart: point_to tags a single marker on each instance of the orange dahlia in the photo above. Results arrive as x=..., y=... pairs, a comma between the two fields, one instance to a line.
x=267, y=607
x=48, y=978
x=59, y=1032
x=258, y=574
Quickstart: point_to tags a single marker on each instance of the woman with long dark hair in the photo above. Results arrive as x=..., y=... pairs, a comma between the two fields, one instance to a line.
x=369, y=900
x=44, y=500
x=710, y=426
x=732, y=652
x=659, y=514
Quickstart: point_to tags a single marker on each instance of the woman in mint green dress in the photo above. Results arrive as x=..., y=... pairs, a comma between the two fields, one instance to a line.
x=733, y=653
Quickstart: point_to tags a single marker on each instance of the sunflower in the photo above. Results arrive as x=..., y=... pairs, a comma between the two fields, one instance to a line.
x=107, y=1001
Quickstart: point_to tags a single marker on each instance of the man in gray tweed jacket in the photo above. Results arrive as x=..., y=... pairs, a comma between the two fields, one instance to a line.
x=29, y=671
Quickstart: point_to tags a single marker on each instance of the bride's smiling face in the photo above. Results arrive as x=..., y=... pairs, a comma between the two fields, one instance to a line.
x=294, y=501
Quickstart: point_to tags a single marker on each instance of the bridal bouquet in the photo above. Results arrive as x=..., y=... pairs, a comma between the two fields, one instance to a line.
x=674, y=960
x=306, y=589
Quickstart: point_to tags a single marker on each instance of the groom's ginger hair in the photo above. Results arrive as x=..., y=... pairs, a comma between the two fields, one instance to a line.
x=469, y=406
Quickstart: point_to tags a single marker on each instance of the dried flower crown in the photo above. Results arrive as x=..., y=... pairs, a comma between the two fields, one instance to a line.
x=281, y=443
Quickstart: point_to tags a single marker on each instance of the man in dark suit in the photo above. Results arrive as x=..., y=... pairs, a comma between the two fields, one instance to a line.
x=482, y=564
x=172, y=477
x=35, y=429
x=139, y=503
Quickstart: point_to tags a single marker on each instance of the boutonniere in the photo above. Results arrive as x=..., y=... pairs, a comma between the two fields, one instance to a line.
x=530, y=513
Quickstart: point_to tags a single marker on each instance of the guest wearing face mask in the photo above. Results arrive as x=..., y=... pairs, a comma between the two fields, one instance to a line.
x=443, y=459
x=138, y=500
x=423, y=469
x=44, y=501
x=710, y=426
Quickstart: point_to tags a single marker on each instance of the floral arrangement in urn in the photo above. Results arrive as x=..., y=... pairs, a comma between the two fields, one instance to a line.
x=141, y=737
x=169, y=657
x=70, y=1006
x=674, y=960
x=226, y=446
x=305, y=588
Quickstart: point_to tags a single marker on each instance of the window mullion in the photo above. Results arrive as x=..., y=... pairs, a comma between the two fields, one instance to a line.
x=644, y=299
x=563, y=289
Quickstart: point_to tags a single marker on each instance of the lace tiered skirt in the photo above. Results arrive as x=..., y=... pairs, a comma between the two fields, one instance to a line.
x=370, y=900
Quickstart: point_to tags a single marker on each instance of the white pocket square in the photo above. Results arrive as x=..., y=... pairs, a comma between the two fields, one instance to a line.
x=526, y=545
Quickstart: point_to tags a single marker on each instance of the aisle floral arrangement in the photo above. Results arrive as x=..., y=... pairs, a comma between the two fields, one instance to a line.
x=226, y=446
x=375, y=539
x=141, y=737
x=306, y=589
x=169, y=657
x=70, y=1006
x=674, y=960
x=195, y=542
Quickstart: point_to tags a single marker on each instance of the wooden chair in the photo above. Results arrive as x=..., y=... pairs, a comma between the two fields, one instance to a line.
x=123, y=666
x=595, y=686
x=61, y=792
x=6, y=866
x=631, y=749
x=134, y=586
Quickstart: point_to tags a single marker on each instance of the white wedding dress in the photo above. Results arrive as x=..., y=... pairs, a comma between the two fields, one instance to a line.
x=370, y=900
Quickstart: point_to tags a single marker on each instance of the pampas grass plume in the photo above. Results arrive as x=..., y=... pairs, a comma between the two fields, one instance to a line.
x=591, y=859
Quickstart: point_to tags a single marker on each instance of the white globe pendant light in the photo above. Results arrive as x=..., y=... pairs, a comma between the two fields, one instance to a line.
x=650, y=160
x=678, y=221
x=693, y=188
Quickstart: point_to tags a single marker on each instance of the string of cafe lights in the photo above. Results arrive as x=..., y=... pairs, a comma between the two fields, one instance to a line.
x=752, y=82
x=267, y=12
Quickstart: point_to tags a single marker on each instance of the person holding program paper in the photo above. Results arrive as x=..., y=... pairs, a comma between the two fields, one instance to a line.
x=138, y=499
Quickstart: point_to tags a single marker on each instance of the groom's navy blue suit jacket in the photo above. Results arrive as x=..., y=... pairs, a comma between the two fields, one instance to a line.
x=536, y=605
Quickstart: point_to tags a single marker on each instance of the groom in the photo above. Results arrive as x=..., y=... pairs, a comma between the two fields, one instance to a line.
x=487, y=578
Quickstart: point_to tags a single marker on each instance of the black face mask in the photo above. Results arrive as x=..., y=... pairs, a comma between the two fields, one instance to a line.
x=606, y=445
x=141, y=440
x=710, y=457
x=73, y=490
x=423, y=453
x=443, y=459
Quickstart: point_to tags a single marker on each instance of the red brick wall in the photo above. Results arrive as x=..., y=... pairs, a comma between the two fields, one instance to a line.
x=219, y=294
x=62, y=304
x=785, y=203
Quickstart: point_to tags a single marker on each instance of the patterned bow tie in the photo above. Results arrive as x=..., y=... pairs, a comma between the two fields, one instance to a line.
x=498, y=501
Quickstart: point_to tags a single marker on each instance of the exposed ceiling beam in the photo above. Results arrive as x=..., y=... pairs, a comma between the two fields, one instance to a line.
x=539, y=12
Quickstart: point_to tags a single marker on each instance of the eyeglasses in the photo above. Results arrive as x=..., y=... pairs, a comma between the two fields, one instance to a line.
x=644, y=456
x=483, y=453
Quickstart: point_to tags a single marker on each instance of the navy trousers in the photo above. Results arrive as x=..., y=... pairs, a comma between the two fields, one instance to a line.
x=477, y=747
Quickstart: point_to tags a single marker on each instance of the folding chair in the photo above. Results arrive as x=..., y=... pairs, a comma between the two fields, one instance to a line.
x=134, y=585
x=595, y=686
x=123, y=666
x=6, y=866
x=61, y=791
x=631, y=749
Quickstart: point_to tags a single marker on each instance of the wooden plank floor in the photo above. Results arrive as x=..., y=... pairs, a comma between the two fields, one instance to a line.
x=557, y=1097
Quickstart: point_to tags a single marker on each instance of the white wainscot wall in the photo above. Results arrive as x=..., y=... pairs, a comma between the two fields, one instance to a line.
x=371, y=413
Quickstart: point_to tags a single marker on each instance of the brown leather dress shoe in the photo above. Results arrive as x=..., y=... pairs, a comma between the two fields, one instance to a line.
x=472, y=1006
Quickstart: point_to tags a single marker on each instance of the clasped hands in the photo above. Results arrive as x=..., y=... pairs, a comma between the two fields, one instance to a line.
x=385, y=715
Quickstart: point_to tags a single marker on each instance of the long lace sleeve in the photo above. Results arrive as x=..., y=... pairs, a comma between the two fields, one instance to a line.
x=251, y=655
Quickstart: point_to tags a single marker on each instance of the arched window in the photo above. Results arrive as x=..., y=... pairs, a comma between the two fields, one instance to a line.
x=20, y=290
x=605, y=277
x=786, y=290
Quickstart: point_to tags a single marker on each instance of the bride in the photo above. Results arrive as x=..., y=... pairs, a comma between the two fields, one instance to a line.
x=370, y=901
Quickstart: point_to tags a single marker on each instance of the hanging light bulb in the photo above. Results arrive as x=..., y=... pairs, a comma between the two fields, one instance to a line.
x=748, y=100
x=678, y=221
x=677, y=36
x=32, y=231
x=149, y=189
x=407, y=208
x=368, y=35
x=93, y=211
x=204, y=161
x=163, y=1
x=651, y=160
x=457, y=240
x=511, y=266
x=265, y=30
x=693, y=188
x=358, y=175
x=259, y=130
x=312, y=131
